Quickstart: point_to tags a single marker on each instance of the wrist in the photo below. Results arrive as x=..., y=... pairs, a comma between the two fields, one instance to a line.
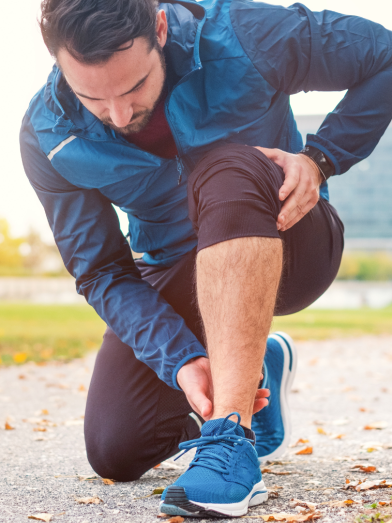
x=315, y=167
x=321, y=160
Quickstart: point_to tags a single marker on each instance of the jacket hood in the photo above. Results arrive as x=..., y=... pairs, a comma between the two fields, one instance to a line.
x=185, y=21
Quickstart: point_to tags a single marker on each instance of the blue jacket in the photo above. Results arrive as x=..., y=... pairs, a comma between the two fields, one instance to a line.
x=232, y=65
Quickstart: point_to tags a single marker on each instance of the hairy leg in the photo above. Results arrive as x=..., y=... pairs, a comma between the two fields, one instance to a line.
x=237, y=283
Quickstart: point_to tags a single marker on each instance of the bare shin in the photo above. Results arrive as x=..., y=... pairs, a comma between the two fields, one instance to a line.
x=237, y=282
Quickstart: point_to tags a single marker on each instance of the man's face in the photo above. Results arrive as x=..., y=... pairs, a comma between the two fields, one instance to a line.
x=124, y=91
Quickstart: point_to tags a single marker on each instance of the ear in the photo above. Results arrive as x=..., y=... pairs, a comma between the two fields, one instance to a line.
x=161, y=28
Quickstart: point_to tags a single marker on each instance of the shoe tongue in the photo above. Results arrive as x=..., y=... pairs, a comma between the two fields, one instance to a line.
x=212, y=427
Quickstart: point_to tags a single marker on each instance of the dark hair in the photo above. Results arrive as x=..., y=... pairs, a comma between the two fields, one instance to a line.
x=93, y=30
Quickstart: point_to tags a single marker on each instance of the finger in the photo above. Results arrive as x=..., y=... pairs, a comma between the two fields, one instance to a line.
x=296, y=201
x=259, y=404
x=263, y=393
x=298, y=217
x=291, y=181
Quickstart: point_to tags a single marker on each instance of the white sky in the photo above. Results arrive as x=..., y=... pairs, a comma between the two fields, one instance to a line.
x=26, y=63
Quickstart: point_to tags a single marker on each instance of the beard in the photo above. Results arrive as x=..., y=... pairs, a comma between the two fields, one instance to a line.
x=142, y=117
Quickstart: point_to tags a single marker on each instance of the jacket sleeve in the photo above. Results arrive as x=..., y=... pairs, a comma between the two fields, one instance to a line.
x=295, y=49
x=96, y=253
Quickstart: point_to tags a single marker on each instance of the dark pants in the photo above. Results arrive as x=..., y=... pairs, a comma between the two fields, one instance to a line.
x=134, y=420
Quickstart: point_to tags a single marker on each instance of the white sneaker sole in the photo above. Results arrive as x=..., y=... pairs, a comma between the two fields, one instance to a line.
x=287, y=382
x=258, y=494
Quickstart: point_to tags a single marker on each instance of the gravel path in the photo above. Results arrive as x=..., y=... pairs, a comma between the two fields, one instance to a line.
x=341, y=387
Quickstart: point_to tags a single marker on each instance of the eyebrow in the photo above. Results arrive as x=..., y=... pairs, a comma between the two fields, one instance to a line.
x=130, y=90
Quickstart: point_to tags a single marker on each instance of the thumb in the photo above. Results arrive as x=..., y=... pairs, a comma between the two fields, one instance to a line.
x=201, y=403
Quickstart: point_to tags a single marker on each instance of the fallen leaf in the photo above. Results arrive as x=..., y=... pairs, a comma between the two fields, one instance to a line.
x=44, y=412
x=307, y=450
x=320, y=430
x=305, y=504
x=41, y=517
x=89, y=501
x=39, y=429
x=82, y=388
x=337, y=436
x=365, y=468
x=379, y=425
x=175, y=519
x=338, y=503
x=21, y=377
x=157, y=466
x=7, y=426
x=267, y=470
x=283, y=516
x=368, y=485
x=108, y=481
x=20, y=357
x=300, y=442
x=83, y=478
x=157, y=491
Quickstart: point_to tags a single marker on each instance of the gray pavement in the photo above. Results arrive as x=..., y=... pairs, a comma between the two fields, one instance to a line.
x=341, y=386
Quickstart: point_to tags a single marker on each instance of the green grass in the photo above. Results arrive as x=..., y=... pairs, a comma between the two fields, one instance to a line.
x=30, y=332
x=40, y=333
x=323, y=324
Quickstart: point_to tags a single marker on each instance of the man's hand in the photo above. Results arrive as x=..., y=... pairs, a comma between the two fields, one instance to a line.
x=300, y=188
x=195, y=380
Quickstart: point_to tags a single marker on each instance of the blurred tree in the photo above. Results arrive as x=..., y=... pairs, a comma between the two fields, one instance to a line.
x=10, y=254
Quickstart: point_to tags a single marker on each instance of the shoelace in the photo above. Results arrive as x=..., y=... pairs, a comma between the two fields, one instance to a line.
x=207, y=458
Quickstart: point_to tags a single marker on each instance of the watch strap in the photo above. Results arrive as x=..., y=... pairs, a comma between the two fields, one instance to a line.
x=319, y=158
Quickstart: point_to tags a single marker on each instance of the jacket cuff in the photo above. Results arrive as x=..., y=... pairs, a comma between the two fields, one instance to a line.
x=326, y=152
x=181, y=364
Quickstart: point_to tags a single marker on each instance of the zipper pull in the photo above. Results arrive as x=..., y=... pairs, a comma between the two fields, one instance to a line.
x=180, y=168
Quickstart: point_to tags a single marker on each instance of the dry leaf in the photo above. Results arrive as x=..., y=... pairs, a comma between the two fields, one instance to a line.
x=337, y=503
x=175, y=519
x=320, y=430
x=337, y=436
x=282, y=516
x=108, y=481
x=39, y=429
x=305, y=504
x=44, y=412
x=82, y=388
x=368, y=485
x=41, y=517
x=157, y=466
x=21, y=377
x=83, y=478
x=267, y=470
x=365, y=468
x=89, y=501
x=379, y=425
x=300, y=442
x=7, y=426
x=307, y=450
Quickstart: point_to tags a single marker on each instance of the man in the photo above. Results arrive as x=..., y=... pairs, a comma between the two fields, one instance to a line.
x=145, y=104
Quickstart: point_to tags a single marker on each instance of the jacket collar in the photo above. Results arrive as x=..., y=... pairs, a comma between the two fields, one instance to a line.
x=185, y=21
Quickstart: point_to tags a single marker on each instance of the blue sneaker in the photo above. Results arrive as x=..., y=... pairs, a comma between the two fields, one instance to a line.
x=224, y=478
x=272, y=424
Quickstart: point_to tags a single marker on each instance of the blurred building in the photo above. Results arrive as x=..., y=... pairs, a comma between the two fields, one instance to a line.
x=363, y=195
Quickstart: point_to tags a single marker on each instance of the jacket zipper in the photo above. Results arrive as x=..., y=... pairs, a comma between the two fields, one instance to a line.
x=180, y=168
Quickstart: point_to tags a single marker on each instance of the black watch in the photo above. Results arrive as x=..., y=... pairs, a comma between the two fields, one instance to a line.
x=326, y=168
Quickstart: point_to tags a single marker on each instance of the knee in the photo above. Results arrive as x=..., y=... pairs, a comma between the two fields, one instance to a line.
x=112, y=458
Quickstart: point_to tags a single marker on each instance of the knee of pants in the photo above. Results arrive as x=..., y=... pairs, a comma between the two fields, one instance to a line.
x=115, y=459
x=235, y=187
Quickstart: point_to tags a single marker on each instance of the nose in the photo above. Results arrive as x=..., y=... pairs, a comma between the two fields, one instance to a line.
x=121, y=113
